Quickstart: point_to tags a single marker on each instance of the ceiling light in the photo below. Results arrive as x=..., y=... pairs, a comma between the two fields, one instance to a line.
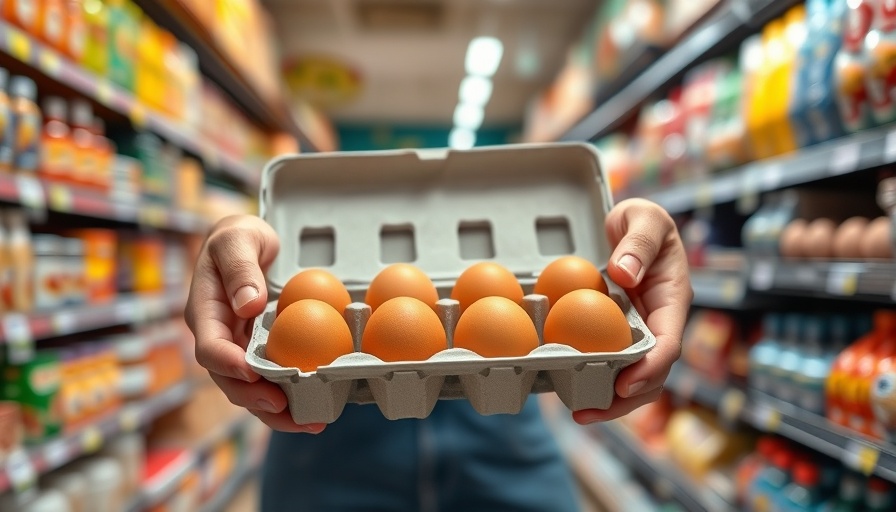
x=475, y=90
x=484, y=56
x=469, y=116
x=461, y=138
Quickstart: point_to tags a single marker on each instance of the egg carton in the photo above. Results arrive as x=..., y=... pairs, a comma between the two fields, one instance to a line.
x=411, y=389
x=521, y=206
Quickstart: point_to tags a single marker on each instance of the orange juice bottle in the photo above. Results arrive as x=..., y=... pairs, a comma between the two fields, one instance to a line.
x=22, y=13
x=850, y=68
x=51, y=23
x=75, y=30
x=57, y=149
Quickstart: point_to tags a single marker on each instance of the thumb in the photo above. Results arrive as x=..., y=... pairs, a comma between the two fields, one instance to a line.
x=639, y=230
x=240, y=253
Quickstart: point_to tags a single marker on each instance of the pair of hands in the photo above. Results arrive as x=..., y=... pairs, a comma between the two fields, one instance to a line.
x=228, y=292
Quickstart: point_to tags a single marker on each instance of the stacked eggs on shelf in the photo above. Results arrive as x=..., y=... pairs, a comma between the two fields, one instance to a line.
x=310, y=330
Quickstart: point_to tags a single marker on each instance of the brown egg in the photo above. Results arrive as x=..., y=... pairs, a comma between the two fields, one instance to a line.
x=588, y=321
x=819, y=241
x=486, y=279
x=401, y=280
x=496, y=327
x=404, y=329
x=314, y=284
x=848, y=237
x=566, y=274
x=308, y=334
x=877, y=241
x=792, y=238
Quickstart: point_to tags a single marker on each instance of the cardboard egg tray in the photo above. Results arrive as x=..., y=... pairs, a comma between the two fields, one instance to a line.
x=355, y=213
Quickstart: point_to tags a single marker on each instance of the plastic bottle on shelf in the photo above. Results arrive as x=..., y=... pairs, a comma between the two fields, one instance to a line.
x=57, y=149
x=781, y=81
x=803, y=494
x=22, y=13
x=51, y=23
x=75, y=30
x=849, y=495
x=788, y=363
x=879, y=496
x=765, y=353
x=21, y=260
x=880, y=50
x=758, y=114
x=814, y=367
x=7, y=139
x=85, y=154
x=850, y=72
x=838, y=405
x=867, y=369
x=884, y=365
x=753, y=464
x=96, y=42
x=771, y=482
x=26, y=122
x=816, y=18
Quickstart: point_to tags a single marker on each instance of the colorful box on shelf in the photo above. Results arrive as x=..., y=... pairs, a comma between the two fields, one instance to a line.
x=523, y=193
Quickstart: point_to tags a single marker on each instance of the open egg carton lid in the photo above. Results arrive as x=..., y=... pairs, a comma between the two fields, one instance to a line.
x=521, y=206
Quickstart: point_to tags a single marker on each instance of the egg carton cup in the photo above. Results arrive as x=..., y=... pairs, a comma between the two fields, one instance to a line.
x=411, y=389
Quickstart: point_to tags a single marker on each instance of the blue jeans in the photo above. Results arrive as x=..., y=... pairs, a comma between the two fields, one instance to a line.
x=454, y=460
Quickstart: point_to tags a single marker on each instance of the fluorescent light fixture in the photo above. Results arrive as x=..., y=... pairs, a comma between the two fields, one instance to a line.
x=461, y=138
x=469, y=116
x=484, y=56
x=475, y=90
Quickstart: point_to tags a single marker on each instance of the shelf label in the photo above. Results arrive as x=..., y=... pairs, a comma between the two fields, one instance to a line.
x=19, y=339
x=845, y=158
x=843, y=282
x=762, y=276
x=860, y=457
x=50, y=63
x=104, y=92
x=730, y=289
x=60, y=198
x=155, y=216
x=748, y=200
x=31, y=193
x=768, y=418
x=732, y=405
x=125, y=311
x=56, y=453
x=19, y=44
x=137, y=114
x=129, y=419
x=703, y=197
x=65, y=322
x=91, y=439
x=20, y=470
x=890, y=148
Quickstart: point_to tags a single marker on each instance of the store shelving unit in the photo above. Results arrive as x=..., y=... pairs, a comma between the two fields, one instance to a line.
x=775, y=416
x=720, y=288
x=39, y=459
x=58, y=68
x=728, y=25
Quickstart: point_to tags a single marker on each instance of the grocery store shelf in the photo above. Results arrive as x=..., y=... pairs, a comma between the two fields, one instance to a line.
x=775, y=416
x=845, y=155
x=176, y=17
x=156, y=490
x=868, y=281
x=666, y=478
x=125, y=309
x=714, y=288
x=25, y=48
x=57, y=452
x=230, y=488
x=730, y=24
x=39, y=194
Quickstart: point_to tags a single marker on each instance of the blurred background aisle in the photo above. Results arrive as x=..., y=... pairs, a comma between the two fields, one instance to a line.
x=129, y=127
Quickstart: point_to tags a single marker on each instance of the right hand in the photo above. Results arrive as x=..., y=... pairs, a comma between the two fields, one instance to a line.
x=228, y=291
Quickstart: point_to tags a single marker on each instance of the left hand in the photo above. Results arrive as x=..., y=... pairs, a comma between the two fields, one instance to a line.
x=649, y=262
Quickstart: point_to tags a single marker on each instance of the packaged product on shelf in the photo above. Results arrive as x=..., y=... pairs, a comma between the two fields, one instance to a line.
x=22, y=13
x=99, y=248
x=35, y=386
x=105, y=483
x=130, y=452
x=21, y=260
x=7, y=140
x=141, y=261
x=26, y=124
x=850, y=73
x=74, y=257
x=72, y=483
x=11, y=428
x=51, y=22
x=699, y=444
x=770, y=482
x=57, y=147
x=104, y=150
x=880, y=50
x=73, y=389
x=75, y=30
x=42, y=500
x=96, y=42
x=150, y=74
x=707, y=343
x=147, y=148
x=85, y=154
x=49, y=271
x=124, y=25
x=674, y=162
x=190, y=182
x=126, y=178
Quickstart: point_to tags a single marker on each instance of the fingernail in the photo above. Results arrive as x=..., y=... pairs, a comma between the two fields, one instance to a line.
x=635, y=387
x=590, y=417
x=632, y=266
x=265, y=405
x=313, y=428
x=243, y=296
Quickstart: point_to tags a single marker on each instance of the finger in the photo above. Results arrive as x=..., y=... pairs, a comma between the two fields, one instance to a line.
x=216, y=350
x=639, y=230
x=283, y=422
x=262, y=395
x=667, y=324
x=240, y=252
x=620, y=407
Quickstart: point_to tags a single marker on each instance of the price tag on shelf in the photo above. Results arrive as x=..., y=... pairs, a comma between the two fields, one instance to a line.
x=60, y=198
x=762, y=275
x=731, y=288
x=19, y=339
x=56, y=453
x=748, y=200
x=845, y=158
x=703, y=197
x=20, y=470
x=138, y=114
x=125, y=311
x=768, y=417
x=860, y=457
x=732, y=405
x=155, y=216
x=842, y=282
x=64, y=322
x=50, y=63
x=104, y=92
x=19, y=44
x=129, y=420
x=31, y=192
x=91, y=439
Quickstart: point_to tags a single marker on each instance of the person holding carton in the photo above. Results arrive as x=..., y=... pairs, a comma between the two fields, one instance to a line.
x=455, y=459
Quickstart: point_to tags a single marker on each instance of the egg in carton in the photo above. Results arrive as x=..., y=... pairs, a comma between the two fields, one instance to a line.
x=521, y=206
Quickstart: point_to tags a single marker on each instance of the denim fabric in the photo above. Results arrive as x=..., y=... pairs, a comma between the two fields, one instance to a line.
x=454, y=460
